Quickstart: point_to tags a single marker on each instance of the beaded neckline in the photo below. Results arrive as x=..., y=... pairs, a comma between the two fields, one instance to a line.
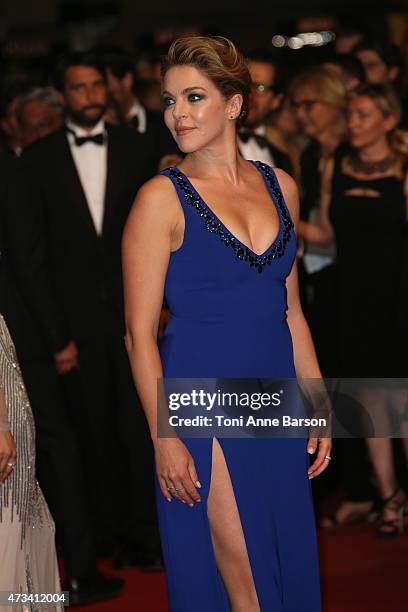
x=214, y=224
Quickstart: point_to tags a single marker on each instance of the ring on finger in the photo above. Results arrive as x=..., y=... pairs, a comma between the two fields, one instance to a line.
x=328, y=457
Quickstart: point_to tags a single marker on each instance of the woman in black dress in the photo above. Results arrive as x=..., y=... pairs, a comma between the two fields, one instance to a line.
x=364, y=206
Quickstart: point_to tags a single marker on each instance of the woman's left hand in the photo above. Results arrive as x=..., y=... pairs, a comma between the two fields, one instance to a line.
x=8, y=455
x=322, y=460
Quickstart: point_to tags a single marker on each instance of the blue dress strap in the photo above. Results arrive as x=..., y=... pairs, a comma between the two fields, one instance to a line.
x=275, y=190
x=278, y=198
x=174, y=175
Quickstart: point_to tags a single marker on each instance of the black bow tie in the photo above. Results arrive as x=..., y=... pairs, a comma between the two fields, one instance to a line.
x=261, y=141
x=98, y=139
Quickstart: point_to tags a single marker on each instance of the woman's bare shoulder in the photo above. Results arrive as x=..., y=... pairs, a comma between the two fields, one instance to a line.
x=286, y=182
x=157, y=189
x=156, y=209
x=157, y=197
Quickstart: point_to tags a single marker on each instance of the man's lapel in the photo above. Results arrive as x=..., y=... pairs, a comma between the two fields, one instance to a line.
x=72, y=185
x=113, y=176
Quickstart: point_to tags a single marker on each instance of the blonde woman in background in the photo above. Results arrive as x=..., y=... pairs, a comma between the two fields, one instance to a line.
x=364, y=206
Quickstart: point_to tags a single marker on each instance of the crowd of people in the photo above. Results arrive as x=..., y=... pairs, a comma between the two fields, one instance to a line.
x=77, y=145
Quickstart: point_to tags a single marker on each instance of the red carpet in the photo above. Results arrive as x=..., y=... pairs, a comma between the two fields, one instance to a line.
x=359, y=574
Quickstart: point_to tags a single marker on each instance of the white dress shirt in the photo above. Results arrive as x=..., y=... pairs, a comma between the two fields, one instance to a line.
x=139, y=111
x=91, y=163
x=252, y=150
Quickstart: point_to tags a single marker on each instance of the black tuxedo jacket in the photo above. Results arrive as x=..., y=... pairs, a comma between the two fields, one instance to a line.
x=68, y=276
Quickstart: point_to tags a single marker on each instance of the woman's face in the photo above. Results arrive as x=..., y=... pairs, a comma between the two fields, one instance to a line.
x=366, y=123
x=196, y=112
x=313, y=115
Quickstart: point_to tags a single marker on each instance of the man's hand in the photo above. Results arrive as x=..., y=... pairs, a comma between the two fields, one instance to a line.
x=67, y=359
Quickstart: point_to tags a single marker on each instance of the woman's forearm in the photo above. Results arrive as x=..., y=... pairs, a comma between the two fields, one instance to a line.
x=309, y=377
x=147, y=370
x=305, y=359
x=315, y=233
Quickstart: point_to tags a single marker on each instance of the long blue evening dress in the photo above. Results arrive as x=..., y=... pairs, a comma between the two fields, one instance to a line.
x=228, y=319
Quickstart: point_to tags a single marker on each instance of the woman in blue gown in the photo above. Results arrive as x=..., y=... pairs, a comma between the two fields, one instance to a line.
x=216, y=236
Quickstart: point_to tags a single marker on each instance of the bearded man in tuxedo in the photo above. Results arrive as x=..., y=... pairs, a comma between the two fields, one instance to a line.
x=70, y=201
x=59, y=466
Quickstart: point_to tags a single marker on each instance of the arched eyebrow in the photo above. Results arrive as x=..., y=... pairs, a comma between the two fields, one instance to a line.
x=185, y=91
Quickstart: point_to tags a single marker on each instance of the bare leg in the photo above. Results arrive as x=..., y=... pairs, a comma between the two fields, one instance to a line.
x=228, y=538
x=381, y=454
x=380, y=450
x=347, y=512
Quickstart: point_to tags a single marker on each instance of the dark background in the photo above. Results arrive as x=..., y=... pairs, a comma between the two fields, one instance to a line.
x=29, y=22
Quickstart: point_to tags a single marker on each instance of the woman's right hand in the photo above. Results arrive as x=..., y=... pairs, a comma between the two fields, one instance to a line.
x=8, y=455
x=176, y=471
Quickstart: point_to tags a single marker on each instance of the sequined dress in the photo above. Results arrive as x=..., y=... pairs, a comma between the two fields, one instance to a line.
x=28, y=562
x=228, y=320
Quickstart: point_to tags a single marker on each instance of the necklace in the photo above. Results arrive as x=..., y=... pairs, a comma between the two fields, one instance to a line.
x=370, y=167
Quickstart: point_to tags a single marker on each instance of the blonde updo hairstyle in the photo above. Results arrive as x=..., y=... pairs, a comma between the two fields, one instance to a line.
x=328, y=87
x=387, y=102
x=219, y=60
